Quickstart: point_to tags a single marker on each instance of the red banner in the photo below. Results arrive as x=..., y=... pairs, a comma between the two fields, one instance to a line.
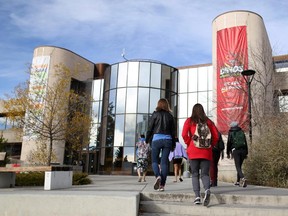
x=232, y=59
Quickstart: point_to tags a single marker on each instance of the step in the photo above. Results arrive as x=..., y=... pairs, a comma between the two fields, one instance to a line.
x=188, y=208
x=254, y=200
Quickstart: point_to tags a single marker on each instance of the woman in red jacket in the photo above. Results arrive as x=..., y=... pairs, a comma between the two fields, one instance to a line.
x=199, y=156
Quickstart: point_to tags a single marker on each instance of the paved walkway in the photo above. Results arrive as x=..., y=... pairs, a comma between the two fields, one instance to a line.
x=118, y=184
x=108, y=195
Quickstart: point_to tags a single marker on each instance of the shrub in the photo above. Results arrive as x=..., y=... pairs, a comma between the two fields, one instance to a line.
x=37, y=179
x=81, y=179
x=267, y=162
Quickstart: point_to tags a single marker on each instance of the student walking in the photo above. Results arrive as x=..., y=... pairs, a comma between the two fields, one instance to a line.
x=237, y=146
x=161, y=135
x=177, y=157
x=200, y=135
x=217, y=152
x=142, y=158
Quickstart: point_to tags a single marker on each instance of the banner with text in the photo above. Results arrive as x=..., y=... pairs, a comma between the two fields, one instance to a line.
x=232, y=59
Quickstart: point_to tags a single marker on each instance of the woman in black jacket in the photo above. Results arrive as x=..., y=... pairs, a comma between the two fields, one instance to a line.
x=161, y=135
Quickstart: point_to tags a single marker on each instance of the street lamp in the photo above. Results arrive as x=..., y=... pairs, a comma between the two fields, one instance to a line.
x=248, y=76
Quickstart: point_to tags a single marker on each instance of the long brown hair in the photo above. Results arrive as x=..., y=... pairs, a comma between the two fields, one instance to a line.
x=198, y=114
x=163, y=104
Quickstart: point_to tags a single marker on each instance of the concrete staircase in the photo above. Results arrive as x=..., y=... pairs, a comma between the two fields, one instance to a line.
x=162, y=204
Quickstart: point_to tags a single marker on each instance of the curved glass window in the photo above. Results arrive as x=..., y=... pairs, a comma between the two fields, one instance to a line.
x=131, y=98
x=119, y=131
x=154, y=97
x=143, y=103
x=113, y=77
x=156, y=74
x=133, y=68
x=120, y=101
x=140, y=84
x=122, y=75
x=144, y=74
x=130, y=125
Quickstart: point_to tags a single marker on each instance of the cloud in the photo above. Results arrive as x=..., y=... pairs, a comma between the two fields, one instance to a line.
x=178, y=33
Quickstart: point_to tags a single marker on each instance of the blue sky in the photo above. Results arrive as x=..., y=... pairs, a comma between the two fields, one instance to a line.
x=176, y=32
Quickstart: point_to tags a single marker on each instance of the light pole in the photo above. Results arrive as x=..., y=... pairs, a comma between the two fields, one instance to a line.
x=248, y=76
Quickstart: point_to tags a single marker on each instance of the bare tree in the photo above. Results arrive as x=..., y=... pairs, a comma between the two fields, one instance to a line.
x=46, y=110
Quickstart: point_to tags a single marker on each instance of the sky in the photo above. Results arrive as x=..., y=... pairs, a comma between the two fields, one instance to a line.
x=175, y=32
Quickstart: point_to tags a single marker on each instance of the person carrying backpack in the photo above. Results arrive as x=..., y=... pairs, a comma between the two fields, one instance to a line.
x=237, y=146
x=200, y=135
x=218, y=151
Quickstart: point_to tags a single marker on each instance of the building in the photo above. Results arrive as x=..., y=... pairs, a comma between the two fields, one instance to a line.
x=125, y=94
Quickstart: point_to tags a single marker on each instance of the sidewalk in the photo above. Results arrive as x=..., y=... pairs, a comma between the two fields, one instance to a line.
x=108, y=195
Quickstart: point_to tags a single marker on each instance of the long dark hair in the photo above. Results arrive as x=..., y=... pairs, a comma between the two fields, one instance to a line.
x=198, y=114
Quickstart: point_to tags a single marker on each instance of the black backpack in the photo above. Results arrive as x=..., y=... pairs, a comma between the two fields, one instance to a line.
x=220, y=144
x=239, y=140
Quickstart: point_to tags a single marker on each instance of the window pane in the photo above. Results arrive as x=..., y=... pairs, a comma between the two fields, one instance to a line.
x=120, y=104
x=166, y=73
x=133, y=68
x=183, y=79
x=192, y=100
x=156, y=75
x=174, y=81
x=203, y=99
x=203, y=79
x=113, y=78
x=95, y=112
x=112, y=99
x=130, y=127
x=119, y=131
x=143, y=95
x=210, y=78
x=122, y=75
x=210, y=104
x=142, y=124
x=182, y=111
x=154, y=97
x=128, y=157
x=97, y=90
x=144, y=74
x=131, y=100
x=193, y=80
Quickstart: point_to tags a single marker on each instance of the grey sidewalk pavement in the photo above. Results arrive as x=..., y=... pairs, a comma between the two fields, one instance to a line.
x=110, y=195
x=118, y=184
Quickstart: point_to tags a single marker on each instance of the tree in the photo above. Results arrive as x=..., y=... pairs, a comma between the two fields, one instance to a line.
x=47, y=109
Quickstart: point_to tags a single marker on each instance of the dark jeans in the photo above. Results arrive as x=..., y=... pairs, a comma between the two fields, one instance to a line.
x=239, y=157
x=214, y=167
x=165, y=145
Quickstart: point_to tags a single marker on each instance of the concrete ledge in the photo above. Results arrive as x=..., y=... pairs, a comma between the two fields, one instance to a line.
x=58, y=179
x=7, y=179
x=68, y=203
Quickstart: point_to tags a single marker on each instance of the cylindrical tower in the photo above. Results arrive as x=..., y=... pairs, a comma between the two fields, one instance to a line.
x=240, y=42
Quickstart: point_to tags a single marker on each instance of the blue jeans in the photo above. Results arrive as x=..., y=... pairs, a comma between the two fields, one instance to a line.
x=165, y=146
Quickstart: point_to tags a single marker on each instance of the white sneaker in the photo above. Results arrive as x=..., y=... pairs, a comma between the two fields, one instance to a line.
x=197, y=201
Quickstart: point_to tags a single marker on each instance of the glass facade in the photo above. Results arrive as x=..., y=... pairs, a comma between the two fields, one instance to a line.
x=132, y=90
x=195, y=86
